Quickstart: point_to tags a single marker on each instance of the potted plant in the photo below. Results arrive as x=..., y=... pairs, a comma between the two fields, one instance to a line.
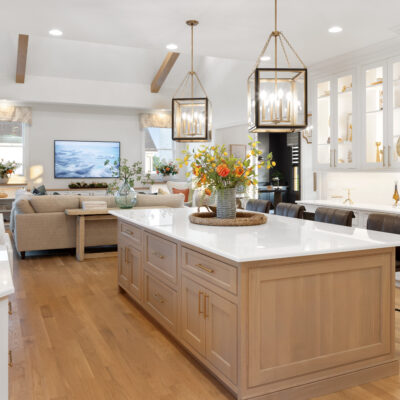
x=166, y=169
x=215, y=170
x=7, y=168
x=125, y=177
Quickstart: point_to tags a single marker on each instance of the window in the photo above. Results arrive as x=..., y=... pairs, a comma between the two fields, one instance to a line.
x=12, y=143
x=158, y=147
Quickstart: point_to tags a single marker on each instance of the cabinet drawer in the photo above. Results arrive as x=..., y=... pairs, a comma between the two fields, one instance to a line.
x=161, y=258
x=161, y=302
x=133, y=233
x=216, y=272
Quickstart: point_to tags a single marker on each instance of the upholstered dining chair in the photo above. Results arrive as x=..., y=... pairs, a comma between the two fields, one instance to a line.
x=290, y=210
x=258, y=205
x=334, y=216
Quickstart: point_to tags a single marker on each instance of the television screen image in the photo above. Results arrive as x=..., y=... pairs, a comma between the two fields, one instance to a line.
x=79, y=159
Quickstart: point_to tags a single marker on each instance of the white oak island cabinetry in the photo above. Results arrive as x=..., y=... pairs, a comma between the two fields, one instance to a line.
x=287, y=310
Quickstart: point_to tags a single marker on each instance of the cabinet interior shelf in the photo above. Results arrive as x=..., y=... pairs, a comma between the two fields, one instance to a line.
x=374, y=111
x=345, y=92
x=325, y=96
x=378, y=85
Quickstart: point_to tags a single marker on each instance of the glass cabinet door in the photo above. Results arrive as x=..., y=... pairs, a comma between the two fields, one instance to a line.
x=344, y=156
x=394, y=140
x=324, y=140
x=374, y=121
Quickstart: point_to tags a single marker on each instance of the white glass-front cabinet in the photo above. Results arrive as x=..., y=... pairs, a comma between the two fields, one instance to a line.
x=394, y=114
x=374, y=129
x=333, y=148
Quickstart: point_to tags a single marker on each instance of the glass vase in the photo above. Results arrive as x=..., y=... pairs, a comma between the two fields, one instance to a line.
x=125, y=197
x=226, y=203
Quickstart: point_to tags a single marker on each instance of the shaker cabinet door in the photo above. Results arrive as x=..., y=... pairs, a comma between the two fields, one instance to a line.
x=221, y=334
x=192, y=314
x=134, y=262
x=124, y=269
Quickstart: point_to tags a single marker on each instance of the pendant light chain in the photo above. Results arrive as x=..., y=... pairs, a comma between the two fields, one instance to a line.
x=192, y=70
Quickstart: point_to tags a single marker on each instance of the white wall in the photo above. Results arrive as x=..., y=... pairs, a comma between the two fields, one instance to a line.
x=51, y=123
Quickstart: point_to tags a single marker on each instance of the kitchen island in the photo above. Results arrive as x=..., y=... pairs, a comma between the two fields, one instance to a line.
x=291, y=309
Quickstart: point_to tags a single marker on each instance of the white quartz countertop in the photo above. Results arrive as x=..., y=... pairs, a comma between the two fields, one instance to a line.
x=367, y=207
x=280, y=237
x=6, y=282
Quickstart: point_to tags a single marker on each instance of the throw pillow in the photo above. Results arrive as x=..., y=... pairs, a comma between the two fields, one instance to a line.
x=40, y=191
x=185, y=192
x=162, y=191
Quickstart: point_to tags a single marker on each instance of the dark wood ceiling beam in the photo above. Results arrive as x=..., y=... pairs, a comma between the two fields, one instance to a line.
x=21, y=58
x=163, y=72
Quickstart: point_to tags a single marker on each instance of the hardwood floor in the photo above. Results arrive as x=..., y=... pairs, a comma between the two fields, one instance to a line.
x=73, y=336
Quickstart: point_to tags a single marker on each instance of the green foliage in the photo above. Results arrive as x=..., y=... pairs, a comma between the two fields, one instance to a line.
x=123, y=171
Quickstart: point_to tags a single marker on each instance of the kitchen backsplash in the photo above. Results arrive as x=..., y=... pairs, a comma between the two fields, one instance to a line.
x=366, y=187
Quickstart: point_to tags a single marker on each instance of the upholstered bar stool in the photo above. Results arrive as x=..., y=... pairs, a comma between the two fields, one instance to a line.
x=258, y=205
x=388, y=223
x=290, y=210
x=334, y=216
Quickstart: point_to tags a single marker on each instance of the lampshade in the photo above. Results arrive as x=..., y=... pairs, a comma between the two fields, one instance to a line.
x=191, y=108
x=277, y=97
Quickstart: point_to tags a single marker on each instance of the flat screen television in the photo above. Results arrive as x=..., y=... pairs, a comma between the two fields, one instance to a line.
x=80, y=159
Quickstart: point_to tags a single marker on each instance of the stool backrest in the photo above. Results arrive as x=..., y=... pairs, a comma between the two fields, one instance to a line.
x=290, y=210
x=334, y=216
x=258, y=205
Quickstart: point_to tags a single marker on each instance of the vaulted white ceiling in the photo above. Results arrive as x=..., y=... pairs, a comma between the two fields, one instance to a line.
x=228, y=28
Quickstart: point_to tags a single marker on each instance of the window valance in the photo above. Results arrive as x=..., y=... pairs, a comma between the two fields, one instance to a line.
x=10, y=113
x=155, y=120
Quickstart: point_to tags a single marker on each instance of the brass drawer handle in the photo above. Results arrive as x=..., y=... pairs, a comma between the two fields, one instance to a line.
x=10, y=360
x=201, y=266
x=200, y=294
x=160, y=256
x=205, y=305
x=10, y=310
x=159, y=297
x=129, y=232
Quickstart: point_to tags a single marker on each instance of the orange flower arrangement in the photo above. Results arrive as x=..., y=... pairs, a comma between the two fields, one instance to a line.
x=214, y=169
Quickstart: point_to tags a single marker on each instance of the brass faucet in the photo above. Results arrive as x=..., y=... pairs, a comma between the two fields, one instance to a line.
x=348, y=199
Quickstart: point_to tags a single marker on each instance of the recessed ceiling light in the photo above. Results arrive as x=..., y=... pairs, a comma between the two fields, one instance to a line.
x=55, y=32
x=265, y=58
x=335, y=29
x=172, y=46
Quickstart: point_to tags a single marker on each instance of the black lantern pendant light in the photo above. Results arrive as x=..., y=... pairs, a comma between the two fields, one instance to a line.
x=191, y=108
x=277, y=97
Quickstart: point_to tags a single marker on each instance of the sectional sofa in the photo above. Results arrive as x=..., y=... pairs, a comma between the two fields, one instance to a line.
x=40, y=222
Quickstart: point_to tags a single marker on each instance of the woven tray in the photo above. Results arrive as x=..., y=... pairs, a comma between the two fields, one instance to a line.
x=242, y=219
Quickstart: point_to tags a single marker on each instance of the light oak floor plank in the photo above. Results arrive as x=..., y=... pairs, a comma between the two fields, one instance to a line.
x=74, y=337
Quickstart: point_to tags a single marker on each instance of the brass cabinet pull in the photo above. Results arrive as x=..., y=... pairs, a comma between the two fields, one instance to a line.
x=201, y=266
x=389, y=150
x=159, y=297
x=205, y=305
x=130, y=233
x=160, y=256
x=10, y=310
x=10, y=359
x=200, y=294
